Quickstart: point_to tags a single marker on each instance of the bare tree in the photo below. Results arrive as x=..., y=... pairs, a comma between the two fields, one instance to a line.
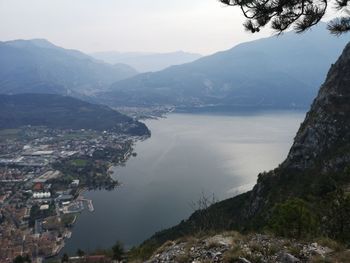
x=206, y=218
x=203, y=202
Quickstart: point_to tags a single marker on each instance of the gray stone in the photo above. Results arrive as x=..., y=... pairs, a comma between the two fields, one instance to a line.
x=285, y=257
x=243, y=260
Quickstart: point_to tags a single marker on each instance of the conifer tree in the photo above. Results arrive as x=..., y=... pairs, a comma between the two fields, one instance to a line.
x=299, y=14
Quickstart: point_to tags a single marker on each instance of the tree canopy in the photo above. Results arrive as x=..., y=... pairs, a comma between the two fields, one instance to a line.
x=299, y=14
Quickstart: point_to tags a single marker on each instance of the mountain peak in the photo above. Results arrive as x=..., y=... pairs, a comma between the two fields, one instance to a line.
x=47, y=68
x=39, y=42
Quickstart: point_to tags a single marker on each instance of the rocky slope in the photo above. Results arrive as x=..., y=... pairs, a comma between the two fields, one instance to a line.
x=234, y=247
x=308, y=194
x=324, y=138
x=321, y=150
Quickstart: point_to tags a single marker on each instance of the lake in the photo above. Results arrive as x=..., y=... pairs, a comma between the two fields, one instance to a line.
x=187, y=155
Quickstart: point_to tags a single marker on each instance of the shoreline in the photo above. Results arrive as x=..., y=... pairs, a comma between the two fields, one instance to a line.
x=89, y=202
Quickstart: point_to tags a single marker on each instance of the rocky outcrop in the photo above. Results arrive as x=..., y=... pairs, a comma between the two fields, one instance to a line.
x=235, y=248
x=323, y=140
x=321, y=146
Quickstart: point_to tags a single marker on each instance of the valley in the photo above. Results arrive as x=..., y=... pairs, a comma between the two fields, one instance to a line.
x=184, y=158
x=161, y=132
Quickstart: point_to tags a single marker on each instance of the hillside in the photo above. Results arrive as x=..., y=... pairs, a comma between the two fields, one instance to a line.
x=308, y=194
x=233, y=247
x=63, y=112
x=38, y=66
x=147, y=62
x=276, y=72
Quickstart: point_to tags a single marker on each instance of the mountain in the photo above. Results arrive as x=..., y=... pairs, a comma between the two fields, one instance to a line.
x=276, y=72
x=308, y=195
x=62, y=112
x=147, y=62
x=38, y=66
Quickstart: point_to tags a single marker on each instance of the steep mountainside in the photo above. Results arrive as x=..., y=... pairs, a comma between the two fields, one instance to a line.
x=323, y=140
x=308, y=194
x=277, y=72
x=61, y=112
x=37, y=66
x=147, y=62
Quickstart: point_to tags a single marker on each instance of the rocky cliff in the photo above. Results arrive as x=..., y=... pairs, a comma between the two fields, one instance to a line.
x=318, y=161
x=323, y=139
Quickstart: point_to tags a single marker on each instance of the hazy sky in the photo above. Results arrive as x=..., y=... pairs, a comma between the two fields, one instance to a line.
x=202, y=26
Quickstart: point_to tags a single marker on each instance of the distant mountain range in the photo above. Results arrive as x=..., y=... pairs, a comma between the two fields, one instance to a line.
x=37, y=66
x=147, y=62
x=63, y=112
x=276, y=72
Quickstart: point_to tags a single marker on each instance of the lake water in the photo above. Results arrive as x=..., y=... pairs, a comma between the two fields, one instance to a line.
x=187, y=155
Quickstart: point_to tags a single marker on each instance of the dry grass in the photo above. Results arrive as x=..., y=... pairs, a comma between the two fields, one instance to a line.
x=330, y=243
x=233, y=254
x=164, y=247
x=183, y=258
x=213, y=244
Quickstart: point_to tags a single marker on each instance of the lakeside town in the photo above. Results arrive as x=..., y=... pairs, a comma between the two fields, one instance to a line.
x=43, y=175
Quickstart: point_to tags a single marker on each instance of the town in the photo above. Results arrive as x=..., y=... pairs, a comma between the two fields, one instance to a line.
x=43, y=175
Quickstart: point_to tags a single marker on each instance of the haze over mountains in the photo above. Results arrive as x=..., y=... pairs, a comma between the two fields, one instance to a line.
x=37, y=66
x=147, y=62
x=276, y=72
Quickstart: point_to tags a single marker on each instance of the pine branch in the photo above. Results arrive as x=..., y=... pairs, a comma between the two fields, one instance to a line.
x=282, y=14
x=339, y=26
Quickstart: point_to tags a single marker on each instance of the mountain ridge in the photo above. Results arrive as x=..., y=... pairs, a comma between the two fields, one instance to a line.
x=270, y=72
x=147, y=61
x=63, y=112
x=38, y=66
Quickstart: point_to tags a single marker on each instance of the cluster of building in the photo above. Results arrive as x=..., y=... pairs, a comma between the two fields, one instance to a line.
x=35, y=217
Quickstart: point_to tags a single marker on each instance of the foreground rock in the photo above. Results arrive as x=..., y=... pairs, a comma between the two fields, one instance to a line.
x=233, y=247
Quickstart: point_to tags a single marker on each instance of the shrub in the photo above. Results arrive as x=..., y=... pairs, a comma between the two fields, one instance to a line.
x=293, y=218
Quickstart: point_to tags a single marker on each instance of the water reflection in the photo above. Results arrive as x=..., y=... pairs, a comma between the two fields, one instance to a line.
x=186, y=155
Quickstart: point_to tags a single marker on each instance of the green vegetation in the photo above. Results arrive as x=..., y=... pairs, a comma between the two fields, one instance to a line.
x=61, y=112
x=336, y=223
x=9, y=134
x=143, y=252
x=112, y=154
x=78, y=135
x=65, y=258
x=22, y=259
x=294, y=219
x=91, y=173
x=118, y=251
x=36, y=213
x=301, y=205
x=79, y=162
x=68, y=219
x=80, y=253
